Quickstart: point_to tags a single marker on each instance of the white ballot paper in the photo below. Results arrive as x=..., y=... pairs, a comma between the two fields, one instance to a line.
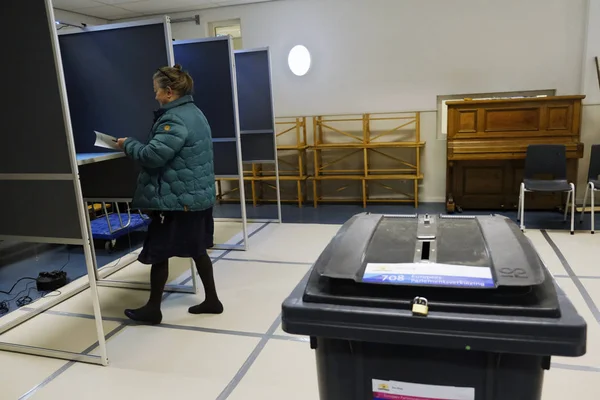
x=106, y=141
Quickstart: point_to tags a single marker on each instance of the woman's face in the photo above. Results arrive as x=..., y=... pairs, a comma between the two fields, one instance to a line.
x=163, y=96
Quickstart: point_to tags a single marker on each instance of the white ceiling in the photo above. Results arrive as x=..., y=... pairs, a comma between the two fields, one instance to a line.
x=118, y=9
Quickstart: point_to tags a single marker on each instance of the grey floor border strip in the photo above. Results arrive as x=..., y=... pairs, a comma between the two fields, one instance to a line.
x=68, y=365
x=267, y=261
x=580, y=286
x=125, y=321
x=578, y=276
x=583, y=368
x=304, y=339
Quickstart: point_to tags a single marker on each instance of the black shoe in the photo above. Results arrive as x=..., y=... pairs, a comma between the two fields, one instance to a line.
x=212, y=307
x=145, y=315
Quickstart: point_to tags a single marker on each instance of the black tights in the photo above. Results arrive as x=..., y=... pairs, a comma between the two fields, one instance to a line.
x=211, y=304
x=159, y=274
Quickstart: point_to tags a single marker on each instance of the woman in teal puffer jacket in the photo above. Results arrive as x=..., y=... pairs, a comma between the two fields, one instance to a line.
x=177, y=188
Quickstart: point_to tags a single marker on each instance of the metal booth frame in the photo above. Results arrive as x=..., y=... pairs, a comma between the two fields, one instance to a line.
x=102, y=358
x=272, y=130
x=238, y=143
x=102, y=279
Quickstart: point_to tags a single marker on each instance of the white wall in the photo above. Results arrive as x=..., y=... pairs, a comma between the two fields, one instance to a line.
x=590, y=82
x=590, y=131
x=398, y=55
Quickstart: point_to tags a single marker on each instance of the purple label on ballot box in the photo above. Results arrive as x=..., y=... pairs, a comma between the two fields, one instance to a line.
x=429, y=274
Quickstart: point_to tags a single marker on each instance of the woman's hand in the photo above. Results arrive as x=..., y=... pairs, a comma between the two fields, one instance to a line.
x=121, y=143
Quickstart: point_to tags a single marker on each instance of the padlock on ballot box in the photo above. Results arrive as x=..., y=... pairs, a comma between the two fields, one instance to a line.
x=420, y=306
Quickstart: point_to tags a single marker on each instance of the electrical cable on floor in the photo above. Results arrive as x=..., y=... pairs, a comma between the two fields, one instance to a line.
x=68, y=258
x=120, y=258
x=19, y=299
x=26, y=299
x=16, y=283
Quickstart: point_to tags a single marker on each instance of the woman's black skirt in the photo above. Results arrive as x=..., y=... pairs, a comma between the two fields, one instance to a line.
x=178, y=234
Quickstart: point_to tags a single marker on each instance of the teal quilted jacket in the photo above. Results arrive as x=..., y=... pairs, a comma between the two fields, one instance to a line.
x=177, y=163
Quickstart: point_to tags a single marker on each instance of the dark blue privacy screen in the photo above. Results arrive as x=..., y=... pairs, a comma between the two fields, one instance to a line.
x=254, y=90
x=258, y=147
x=209, y=64
x=41, y=209
x=108, y=75
x=255, y=102
x=33, y=126
x=111, y=179
x=226, y=162
x=34, y=131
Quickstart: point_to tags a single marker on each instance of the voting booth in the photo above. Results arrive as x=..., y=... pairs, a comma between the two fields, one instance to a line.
x=234, y=91
x=99, y=79
x=40, y=161
x=257, y=115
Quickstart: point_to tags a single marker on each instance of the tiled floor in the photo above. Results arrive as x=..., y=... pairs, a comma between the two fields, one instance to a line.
x=21, y=260
x=243, y=354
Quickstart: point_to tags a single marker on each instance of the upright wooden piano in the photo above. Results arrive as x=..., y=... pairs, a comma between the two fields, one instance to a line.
x=487, y=141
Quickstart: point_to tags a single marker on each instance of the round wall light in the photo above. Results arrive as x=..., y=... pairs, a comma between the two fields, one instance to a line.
x=299, y=60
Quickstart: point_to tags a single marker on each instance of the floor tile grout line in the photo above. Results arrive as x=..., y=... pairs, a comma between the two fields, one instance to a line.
x=580, y=286
x=81, y=315
x=300, y=339
x=68, y=365
x=123, y=325
x=220, y=257
x=210, y=330
x=249, y=361
x=271, y=332
x=235, y=381
x=216, y=331
x=215, y=259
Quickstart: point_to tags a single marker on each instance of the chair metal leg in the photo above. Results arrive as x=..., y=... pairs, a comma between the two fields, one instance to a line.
x=572, y=208
x=567, y=205
x=519, y=207
x=587, y=188
x=593, y=190
x=522, y=205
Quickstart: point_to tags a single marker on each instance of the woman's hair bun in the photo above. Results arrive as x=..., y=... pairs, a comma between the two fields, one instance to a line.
x=176, y=78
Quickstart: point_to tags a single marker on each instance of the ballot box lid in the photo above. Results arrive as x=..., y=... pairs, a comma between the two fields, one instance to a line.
x=465, y=269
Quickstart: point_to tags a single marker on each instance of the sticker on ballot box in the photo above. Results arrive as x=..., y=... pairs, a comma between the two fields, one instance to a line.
x=429, y=274
x=394, y=390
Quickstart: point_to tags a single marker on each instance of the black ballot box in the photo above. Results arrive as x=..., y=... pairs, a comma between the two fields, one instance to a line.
x=432, y=307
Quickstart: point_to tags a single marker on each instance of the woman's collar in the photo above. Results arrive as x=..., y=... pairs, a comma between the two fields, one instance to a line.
x=178, y=102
